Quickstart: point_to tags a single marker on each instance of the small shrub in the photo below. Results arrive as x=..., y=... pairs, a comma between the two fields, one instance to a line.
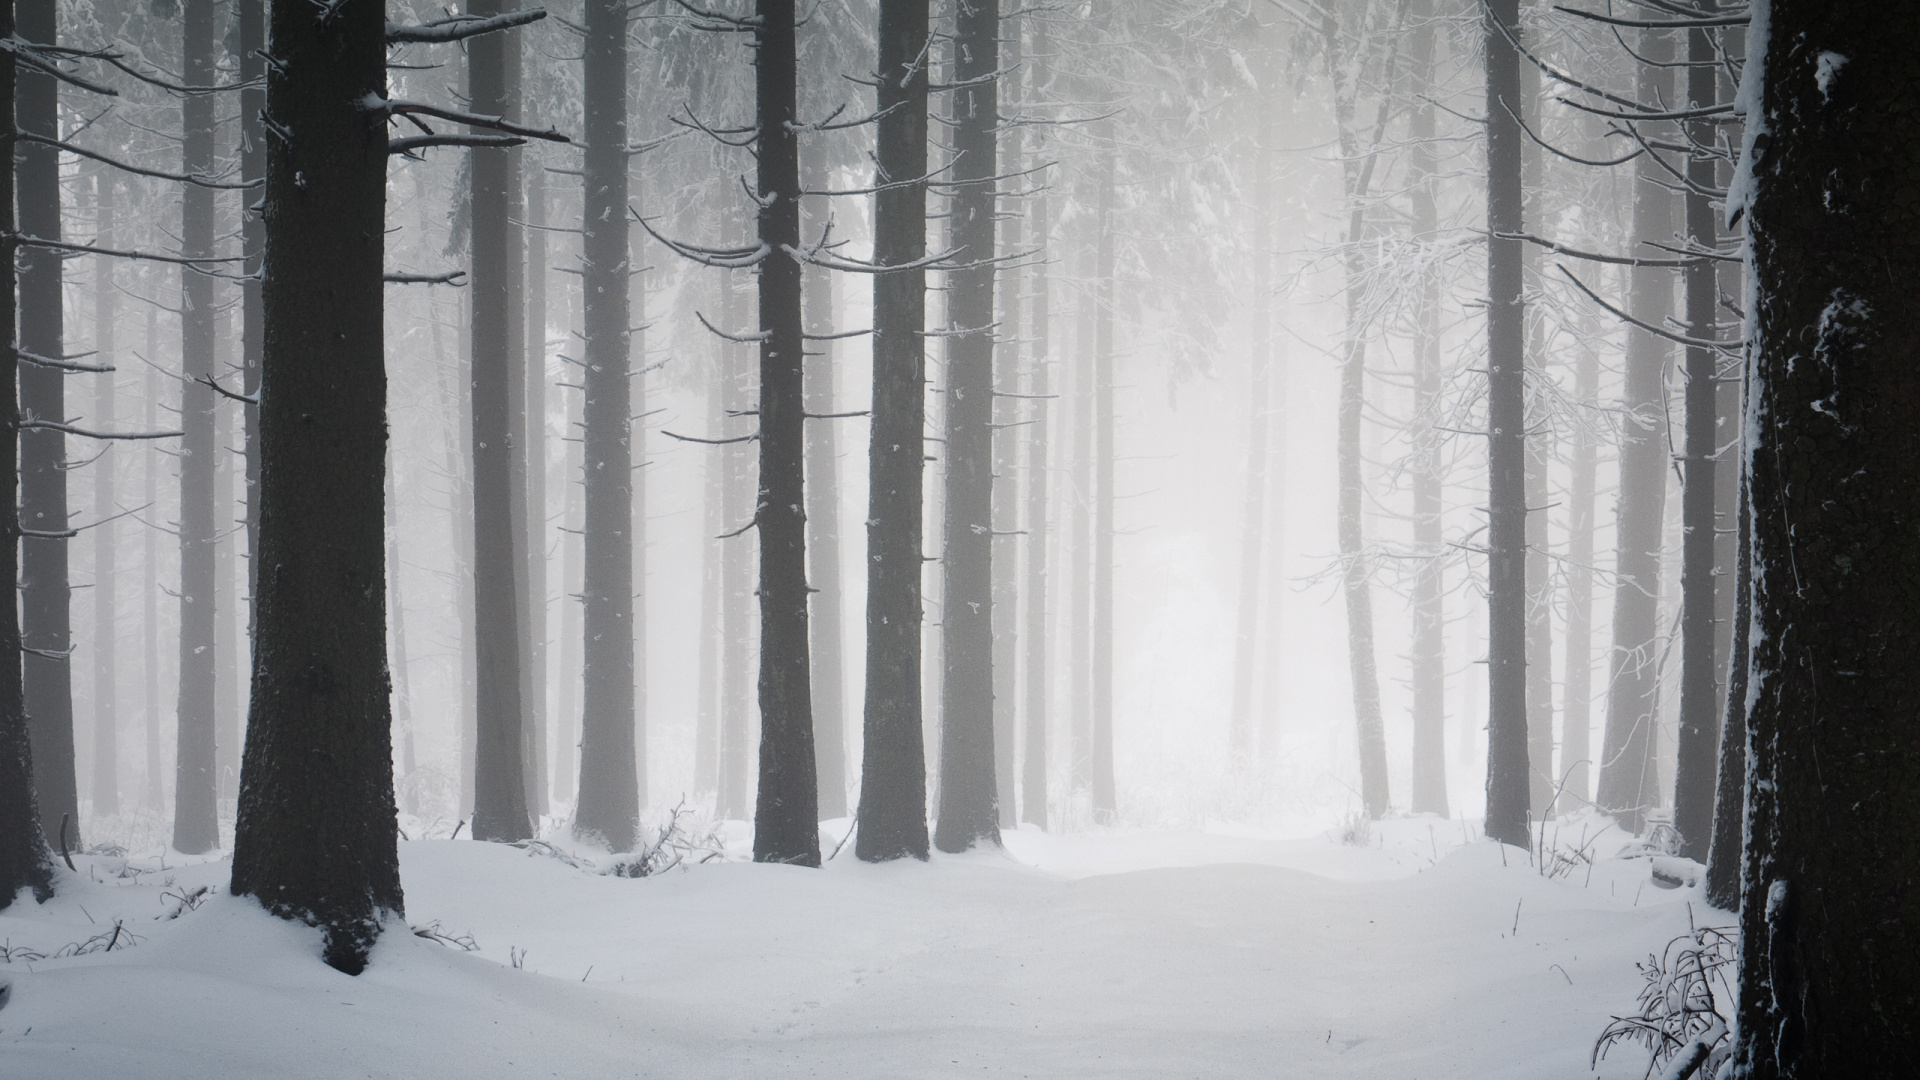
x=1680, y=1012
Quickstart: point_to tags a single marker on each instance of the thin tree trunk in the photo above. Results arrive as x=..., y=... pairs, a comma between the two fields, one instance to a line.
x=1730, y=802
x=1100, y=762
x=45, y=618
x=402, y=674
x=1830, y=918
x=196, y=823
x=1253, y=537
x=1701, y=658
x=609, y=807
x=1077, y=545
x=1541, y=774
x=1576, y=717
x=1626, y=787
x=24, y=861
x=1507, y=751
x=893, y=778
x=823, y=525
x=534, y=456
x=969, y=796
x=226, y=638
x=1033, y=774
x=106, y=711
x=573, y=586
x=736, y=720
x=501, y=810
x=713, y=627
x=786, y=815
x=253, y=239
x=1006, y=488
x=1429, y=792
x=316, y=835
x=150, y=595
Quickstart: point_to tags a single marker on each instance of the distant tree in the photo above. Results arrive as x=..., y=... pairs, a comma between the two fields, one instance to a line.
x=609, y=806
x=1830, y=917
x=893, y=779
x=969, y=796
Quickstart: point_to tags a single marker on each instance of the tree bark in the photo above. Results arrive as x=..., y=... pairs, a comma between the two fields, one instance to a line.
x=1700, y=654
x=786, y=813
x=1576, y=715
x=1830, y=919
x=24, y=861
x=316, y=835
x=45, y=619
x=609, y=807
x=969, y=796
x=736, y=720
x=196, y=822
x=1730, y=789
x=1626, y=787
x=1508, y=795
x=533, y=442
x=893, y=778
x=500, y=789
x=1006, y=343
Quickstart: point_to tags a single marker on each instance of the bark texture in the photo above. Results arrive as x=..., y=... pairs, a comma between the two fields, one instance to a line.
x=893, y=777
x=1830, y=918
x=316, y=835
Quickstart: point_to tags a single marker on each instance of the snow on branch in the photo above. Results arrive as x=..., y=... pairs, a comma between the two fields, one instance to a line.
x=95, y=155
x=459, y=27
x=374, y=103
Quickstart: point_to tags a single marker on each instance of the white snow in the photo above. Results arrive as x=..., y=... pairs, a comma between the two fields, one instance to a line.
x=1825, y=67
x=1121, y=954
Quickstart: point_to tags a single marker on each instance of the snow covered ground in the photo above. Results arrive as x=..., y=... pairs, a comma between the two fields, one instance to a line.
x=1410, y=954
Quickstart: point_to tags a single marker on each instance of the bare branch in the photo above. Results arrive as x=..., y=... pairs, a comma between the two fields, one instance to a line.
x=459, y=27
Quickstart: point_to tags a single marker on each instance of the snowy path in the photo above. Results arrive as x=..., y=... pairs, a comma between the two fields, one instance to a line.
x=1143, y=955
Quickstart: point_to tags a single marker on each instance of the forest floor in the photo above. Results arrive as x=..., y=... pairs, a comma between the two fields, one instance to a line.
x=1407, y=952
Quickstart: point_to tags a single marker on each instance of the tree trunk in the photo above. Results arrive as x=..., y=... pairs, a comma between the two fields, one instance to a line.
x=786, y=814
x=500, y=790
x=1626, y=787
x=969, y=797
x=196, y=822
x=106, y=711
x=397, y=612
x=713, y=627
x=1077, y=544
x=893, y=779
x=1033, y=766
x=736, y=721
x=1100, y=759
x=1006, y=344
x=1829, y=917
x=1700, y=703
x=45, y=619
x=1576, y=716
x=1253, y=537
x=316, y=835
x=1429, y=792
x=23, y=850
x=253, y=168
x=823, y=524
x=609, y=807
x=227, y=706
x=534, y=446
x=1508, y=793
x=150, y=595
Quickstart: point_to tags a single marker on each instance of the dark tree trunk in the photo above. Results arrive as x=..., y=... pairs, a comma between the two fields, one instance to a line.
x=24, y=861
x=1626, y=787
x=1700, y=659
x=823, y=526
x=45, y=619
x=500, y=789
x=316, y=835
x=196, y=821
x=1429, y=792
x=1830, y=918
x=1100, y=760
x=786, y=815
x=893, y=777
x=106, y=712
x=609, y=806
x=1508, y=796
x=969, y=796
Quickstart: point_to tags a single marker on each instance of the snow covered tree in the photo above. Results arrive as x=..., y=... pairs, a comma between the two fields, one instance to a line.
x=1830, y=920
